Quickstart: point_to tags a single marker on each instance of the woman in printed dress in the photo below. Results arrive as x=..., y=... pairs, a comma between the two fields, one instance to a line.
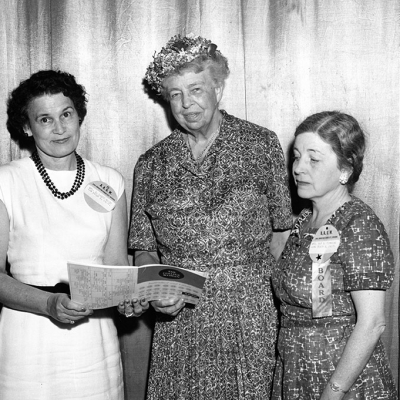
x=332, y=275
x=211, y=197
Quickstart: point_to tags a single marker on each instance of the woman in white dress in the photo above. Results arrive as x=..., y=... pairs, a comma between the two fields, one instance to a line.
x=50, y=346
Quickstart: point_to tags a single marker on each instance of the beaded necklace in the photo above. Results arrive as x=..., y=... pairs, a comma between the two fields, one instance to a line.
x=208, y=145
x=80, y=176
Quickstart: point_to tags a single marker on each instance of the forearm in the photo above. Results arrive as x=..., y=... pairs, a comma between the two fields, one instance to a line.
x=357, y=352
x=146, y=257
x=19, y=296
x=278, y=242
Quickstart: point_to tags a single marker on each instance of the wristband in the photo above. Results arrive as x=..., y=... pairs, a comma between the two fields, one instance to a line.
x=336, y=388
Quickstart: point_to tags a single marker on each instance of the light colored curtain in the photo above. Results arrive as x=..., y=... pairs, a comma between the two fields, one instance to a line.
x=288, y=59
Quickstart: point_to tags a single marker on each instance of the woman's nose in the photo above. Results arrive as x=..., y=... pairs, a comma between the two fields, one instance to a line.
x=58, y=127
x=297, y=166
x=186, y=101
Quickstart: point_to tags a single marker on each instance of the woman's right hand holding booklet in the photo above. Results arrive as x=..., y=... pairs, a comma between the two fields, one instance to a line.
x=133, y=308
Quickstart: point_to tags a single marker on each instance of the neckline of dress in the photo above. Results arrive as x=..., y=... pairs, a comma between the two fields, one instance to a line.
x=213, y=138
x=298, y=229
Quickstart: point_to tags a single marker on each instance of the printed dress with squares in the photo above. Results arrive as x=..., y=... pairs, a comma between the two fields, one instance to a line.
x=216, y=217
x=310, y=348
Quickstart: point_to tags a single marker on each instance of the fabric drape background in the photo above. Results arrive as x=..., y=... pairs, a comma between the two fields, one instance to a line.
x=288, y=59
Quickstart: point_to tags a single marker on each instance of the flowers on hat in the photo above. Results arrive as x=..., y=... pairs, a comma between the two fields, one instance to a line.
x=178, y=51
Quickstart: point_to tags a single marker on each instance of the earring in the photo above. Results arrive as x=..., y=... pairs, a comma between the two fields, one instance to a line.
x=343, y=179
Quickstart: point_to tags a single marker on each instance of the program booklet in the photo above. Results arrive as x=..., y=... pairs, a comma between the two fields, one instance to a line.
x=102, y=286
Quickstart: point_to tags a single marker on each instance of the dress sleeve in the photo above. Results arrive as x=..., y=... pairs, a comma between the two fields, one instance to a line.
x=368, y=259
x=141, y=234
x=278, y=188
x=2, y=184
x=117, y=182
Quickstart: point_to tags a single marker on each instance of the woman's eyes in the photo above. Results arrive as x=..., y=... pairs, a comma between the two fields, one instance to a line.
x=44, y=120
x=312, y=160
x=47, y=120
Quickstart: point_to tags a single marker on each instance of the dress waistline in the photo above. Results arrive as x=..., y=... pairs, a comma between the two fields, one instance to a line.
x=243, y=262
x=325, y=322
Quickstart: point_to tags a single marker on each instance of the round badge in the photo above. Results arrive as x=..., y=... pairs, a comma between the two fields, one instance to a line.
x=325, y=242
x=100, y=196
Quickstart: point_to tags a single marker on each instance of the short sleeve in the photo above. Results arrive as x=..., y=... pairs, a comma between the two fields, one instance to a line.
x=141, y=234
x=117, y=182
x=278, y=188
x=3, y=181
x=365, y=250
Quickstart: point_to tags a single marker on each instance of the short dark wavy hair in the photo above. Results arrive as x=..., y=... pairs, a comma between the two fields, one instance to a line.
x=42, y=83
x=344, y=134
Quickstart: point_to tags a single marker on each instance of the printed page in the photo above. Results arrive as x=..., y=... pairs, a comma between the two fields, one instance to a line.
x=103, y=286
x=157, y=281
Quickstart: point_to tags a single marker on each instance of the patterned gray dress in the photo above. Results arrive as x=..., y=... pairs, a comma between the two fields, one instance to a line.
x=215, y=217
x=309, y=349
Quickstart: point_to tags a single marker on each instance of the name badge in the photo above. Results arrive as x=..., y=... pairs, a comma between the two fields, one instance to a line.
x=100, y=196
x=324, y=244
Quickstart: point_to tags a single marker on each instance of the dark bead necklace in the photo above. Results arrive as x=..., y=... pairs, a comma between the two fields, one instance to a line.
x=80, y=176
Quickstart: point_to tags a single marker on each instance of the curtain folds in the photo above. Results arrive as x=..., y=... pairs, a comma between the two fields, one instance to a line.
x=288, y=59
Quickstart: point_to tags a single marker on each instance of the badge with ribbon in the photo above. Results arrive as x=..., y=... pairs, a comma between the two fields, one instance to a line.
x=100, y=196
x=325, y=243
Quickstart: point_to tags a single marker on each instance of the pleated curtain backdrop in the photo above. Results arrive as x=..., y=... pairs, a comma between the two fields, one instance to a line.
x=288, y=59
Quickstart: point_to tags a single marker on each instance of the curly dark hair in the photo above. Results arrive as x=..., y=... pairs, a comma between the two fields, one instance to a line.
x=39, y=84
x=344, y=134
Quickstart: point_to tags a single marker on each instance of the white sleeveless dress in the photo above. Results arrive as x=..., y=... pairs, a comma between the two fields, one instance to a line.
x=39, y=357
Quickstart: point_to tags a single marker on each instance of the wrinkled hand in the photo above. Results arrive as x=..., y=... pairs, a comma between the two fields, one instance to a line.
x=133, y=308
x=63, y=309
x=170, y=306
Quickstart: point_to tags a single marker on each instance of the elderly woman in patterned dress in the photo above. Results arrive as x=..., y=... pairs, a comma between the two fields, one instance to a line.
x=332, y=275
x=208, y=198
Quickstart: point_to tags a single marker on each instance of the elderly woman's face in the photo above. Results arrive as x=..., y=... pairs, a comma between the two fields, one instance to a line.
x=194, y=100
x=54, y=124
x=315, y=168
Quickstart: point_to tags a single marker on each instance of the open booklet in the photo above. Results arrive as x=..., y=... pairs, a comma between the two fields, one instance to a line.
x=103, y=286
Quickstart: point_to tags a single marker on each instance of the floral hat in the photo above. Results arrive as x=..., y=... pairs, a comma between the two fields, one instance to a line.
x=178, y=51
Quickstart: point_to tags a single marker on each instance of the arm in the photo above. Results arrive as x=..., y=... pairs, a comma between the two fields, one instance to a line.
x=16, y=295
x=370, y=325
x=141, y=234
x=116, y=253
x=278, y=242
x=279, y=201
x=146, y=257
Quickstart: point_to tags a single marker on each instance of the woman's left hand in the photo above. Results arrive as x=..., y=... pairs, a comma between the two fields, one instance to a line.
x=133, y=308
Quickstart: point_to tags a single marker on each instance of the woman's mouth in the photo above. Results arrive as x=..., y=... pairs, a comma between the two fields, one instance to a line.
x=61, y=141
x=191, y=117
x=301, y=183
